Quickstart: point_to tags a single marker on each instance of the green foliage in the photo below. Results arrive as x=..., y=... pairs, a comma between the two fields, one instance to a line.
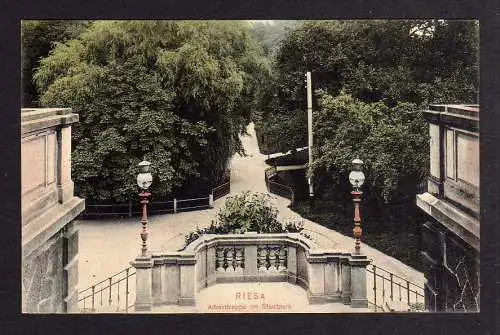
x=247, y=212
x=392, y=141
x=37, y=39
x=417, y=61
x=176, y=93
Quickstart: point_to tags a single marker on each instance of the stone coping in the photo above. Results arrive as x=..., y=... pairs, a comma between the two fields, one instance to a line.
x=314, y=253
x=457, y=221
x=33, y=119
x=49, y=223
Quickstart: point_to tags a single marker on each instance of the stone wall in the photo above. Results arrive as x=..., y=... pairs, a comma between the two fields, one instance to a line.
x=450, y=236
x=49, y=234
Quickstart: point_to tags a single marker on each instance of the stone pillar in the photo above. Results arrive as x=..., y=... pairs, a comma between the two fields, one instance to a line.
x=211, y=200
x=144, y=285
x=187, y=283
x=346, y=282
x=211, y=276
x=292, y=264
x=331, y=281
x=358, y=265
x=250, y=269
x=316, y=282
x=172, y=281
x=157, y=278
x=64, y=182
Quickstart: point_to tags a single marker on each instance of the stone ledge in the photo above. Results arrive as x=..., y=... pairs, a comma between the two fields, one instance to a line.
x=463, y=225
x=53, y=220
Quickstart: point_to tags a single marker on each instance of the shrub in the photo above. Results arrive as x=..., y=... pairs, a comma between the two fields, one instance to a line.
x=247, y=212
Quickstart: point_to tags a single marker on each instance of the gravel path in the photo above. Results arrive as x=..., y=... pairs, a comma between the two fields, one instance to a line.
x=107, y=246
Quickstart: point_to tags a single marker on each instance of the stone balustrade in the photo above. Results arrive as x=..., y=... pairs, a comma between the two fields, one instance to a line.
x=176, y=277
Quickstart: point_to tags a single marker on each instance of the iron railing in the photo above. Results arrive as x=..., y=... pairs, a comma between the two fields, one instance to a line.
x=220, y=191
x=155, y=207
x=388, y=288
x=281, y=190
x=113, y=294
x=277, y=188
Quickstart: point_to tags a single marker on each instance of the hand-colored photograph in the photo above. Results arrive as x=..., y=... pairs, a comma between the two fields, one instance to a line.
x=250, y=166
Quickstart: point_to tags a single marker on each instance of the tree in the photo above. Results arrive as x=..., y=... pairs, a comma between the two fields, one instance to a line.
x=392, y=141
x=416, y=61
x=176, y=93
x=38, y=37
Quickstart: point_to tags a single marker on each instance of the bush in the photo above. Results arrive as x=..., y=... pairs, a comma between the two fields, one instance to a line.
x=247, y=212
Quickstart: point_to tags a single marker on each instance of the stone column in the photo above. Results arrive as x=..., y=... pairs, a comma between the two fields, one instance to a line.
x=250, y=263
x=144, y=285
x=211, y=276
x=250, y=260
x=171, y=283
x=331, y=280
x=157, y=278
x=292, y=264
x=358, y=265
x=346, y=282
x=187, y=282
x=64, y=182
x=316, y=281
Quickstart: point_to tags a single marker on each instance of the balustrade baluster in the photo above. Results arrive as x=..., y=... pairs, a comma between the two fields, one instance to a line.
x=282, y=259
x=220, y=259
x=272, y=259
x=261, y=259
x=230, y=260
x=239, y=260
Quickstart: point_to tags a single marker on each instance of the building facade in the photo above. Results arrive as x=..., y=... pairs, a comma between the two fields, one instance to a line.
x=450, y=235
x=49, y=233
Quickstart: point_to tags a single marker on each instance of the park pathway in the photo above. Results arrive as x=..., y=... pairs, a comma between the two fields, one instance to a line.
x=107, y=246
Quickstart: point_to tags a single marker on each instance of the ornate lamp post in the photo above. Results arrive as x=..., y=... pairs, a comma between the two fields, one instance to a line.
x=357, y=178
x=144, y=180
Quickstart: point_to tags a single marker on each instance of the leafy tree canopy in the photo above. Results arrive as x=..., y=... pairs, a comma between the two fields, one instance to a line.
x=417, y=61
x=176, y=93
x=388, y=139
x=37, y=39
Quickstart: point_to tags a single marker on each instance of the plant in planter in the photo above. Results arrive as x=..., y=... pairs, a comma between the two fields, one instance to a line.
x=247, y=212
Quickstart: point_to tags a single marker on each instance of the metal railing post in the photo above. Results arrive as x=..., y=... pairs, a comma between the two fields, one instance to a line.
x=408, y=291
x=126, y=291
x=375, y=285
x=93, y=293
x=175, y=205
x=392, y=282
x=109, y=299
